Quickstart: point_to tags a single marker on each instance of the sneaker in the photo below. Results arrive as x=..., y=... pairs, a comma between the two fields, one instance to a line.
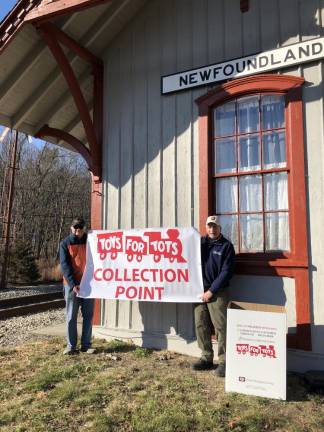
x=70, y=351
x=89, y=350
x=220, y=370
x=202, y=365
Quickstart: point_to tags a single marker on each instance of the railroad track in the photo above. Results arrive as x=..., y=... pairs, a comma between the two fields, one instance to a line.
x=19, y=306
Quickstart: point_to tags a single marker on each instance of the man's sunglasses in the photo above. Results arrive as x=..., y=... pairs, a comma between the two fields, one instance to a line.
x=78, y=227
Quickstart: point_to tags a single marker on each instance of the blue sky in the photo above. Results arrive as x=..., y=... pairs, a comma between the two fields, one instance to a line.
x=5, y=6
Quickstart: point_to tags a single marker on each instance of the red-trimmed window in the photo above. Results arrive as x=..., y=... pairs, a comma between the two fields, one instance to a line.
x=252, y=174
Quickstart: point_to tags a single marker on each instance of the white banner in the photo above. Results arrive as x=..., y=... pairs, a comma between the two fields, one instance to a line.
x=154, y=264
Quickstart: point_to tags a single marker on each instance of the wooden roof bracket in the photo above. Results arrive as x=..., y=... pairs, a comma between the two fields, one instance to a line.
x=53, y=37
x=70, y=139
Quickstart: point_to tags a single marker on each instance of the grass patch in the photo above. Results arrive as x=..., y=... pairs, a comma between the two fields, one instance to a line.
x=142, y=352
x=138, y=390
x=47, y=378
x=117, y=346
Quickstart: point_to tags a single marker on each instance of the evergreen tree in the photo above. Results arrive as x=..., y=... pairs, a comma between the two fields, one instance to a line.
x=22, y=264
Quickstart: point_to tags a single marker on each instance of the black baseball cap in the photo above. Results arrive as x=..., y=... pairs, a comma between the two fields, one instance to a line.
x=78, y=222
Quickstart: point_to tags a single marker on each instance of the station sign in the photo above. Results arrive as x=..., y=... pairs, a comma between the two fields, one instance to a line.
x=283, y=57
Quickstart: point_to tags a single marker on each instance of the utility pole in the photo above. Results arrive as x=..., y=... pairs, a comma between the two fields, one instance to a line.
x=7, y=202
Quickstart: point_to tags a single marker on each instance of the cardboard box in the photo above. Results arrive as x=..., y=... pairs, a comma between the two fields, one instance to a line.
x=256, y=350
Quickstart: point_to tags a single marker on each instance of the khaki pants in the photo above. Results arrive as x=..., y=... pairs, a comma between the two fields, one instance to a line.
x=215, y=313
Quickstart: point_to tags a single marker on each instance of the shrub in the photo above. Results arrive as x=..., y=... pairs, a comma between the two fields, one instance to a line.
x=22, y=264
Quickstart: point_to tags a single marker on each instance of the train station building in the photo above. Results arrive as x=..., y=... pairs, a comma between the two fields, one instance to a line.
x=181, y=109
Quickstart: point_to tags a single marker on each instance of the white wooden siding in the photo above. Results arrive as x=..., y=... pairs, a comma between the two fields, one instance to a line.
x=151, y=159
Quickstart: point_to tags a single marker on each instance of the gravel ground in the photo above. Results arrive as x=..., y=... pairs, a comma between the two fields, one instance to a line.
x=29, y=290
x=18, y=330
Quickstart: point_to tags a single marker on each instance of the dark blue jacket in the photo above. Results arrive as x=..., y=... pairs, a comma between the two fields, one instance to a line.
x=217, y=262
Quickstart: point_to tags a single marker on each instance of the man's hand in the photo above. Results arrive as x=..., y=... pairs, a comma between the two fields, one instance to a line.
x=207, y=296
x=76, y=289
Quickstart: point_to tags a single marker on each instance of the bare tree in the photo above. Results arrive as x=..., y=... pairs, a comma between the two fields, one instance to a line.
x=52, y=187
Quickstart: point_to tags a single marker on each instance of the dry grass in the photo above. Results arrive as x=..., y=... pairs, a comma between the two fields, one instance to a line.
x=49, y=270
x=126, y=388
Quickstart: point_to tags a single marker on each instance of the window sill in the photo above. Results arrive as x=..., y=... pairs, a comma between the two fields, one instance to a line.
x=269, y=264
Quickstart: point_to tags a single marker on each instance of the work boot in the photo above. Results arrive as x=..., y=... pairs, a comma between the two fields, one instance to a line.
x=220, y=370
x=89, y=350
x=70, y=351
x=202, y=365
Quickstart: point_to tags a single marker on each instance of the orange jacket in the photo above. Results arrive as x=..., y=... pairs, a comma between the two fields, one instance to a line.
x=73, y=259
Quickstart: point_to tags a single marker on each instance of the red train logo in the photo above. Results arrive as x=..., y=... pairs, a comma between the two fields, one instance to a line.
x=242, y=348
x=170, y=247
x=109, y=243
x=135, y=247
x=256, y=350
x=268, y=351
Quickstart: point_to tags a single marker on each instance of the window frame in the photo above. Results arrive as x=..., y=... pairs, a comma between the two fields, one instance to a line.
x=295, y=262
x=239, y=173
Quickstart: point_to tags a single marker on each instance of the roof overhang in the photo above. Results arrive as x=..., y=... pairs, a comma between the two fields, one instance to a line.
x=51, y=67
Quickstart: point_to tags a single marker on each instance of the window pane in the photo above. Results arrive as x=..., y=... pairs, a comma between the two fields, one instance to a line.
x=249, y=153
x=277, y=231
x=276, y=191
x=273, y=112
x=224, y=119
x=229, y=229
x=251, y=233
x=274, y=150
x=225, y=155
x=250, y=193
x=226, y=195
x=248, y=114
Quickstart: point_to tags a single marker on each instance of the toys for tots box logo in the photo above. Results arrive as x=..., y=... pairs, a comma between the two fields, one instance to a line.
x=151, y=243
x=149, y=265
x=256, y=350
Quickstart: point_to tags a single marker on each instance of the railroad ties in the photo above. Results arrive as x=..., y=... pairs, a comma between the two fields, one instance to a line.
x=19, y=306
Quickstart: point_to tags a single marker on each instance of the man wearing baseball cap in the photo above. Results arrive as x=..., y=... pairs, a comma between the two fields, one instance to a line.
x=217, y=261
x=73, y=260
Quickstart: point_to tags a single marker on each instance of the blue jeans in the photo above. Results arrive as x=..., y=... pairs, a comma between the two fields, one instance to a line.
x=72, y=308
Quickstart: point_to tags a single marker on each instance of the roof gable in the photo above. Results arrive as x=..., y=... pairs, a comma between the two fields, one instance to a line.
x=51, y=8
x=14, y=20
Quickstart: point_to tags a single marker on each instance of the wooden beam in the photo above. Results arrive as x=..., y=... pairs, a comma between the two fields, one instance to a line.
x=73, y=83
x=76, y=144
x=33, y=99
x=98, y=89
x=87, y=39
x=76, y=120
x=61, y=7
x=72, y=44
x=27, y=63
x=61, y=102
x=24, y=66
